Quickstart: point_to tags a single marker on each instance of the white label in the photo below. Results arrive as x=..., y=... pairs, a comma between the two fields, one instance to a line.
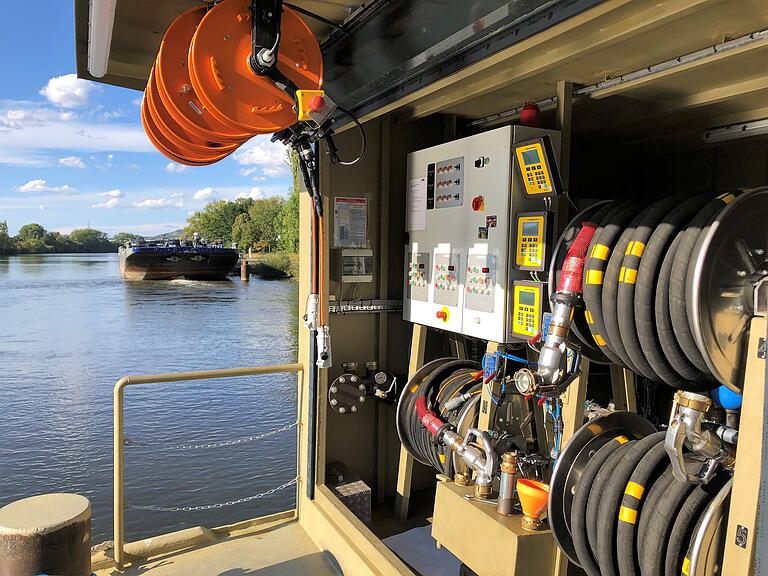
x=416, y=205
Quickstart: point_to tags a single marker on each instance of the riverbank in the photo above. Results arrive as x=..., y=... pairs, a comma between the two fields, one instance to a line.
x=274, y=265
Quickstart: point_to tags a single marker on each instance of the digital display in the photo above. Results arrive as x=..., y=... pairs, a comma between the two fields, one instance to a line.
x=530, y=228
x=485, y=270
x=451, y=268
x=531, y=157
x=527, y=298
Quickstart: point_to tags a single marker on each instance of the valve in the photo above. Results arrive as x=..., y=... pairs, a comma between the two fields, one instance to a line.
x=686, y=429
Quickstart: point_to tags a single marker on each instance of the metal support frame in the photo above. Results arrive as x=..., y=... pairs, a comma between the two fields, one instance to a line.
x=405, y=467
x=119, y=438
x=740, y=546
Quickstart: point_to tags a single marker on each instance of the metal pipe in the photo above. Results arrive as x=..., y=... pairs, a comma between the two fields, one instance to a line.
x=119, y=437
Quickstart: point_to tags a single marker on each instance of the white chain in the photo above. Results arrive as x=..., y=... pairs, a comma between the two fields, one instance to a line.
x=168, y=446
x=269, y=492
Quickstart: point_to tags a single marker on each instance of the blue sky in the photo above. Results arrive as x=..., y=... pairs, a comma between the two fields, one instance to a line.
x=73, y=153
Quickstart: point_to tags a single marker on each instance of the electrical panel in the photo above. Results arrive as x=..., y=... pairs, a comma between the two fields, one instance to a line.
x=463, y=202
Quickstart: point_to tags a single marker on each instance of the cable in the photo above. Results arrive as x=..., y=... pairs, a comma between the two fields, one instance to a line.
x=514, y=358
x=363, y=141
x=317, y=17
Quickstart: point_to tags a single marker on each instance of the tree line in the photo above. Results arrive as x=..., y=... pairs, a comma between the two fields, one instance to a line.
x=261, y=225
x=34, y=239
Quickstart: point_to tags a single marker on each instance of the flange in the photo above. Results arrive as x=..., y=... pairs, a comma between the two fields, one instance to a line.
x=729, y=260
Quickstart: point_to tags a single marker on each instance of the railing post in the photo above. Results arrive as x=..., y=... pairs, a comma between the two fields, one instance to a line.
x=119, y=521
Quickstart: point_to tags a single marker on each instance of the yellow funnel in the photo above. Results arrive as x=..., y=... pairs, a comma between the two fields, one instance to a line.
x=533, y=498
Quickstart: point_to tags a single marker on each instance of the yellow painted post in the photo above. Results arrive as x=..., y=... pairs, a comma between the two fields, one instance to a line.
x=405, y=466
x=623, y=384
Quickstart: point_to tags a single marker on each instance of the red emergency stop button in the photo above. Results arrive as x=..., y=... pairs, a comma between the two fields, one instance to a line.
x=317, y=103
x=442, y=315
x=478, y=203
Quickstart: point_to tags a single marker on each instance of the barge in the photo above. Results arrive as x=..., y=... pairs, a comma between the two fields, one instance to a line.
x=174, y=259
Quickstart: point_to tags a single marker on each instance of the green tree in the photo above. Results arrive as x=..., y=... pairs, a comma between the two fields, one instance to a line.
x=216, y=219
x=31, y=239
x=122, y=237
x=90, y=240
x=289, y=223
x=31, y=232
x=7, y=245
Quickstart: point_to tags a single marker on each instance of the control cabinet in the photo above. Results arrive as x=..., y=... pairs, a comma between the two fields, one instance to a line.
x=464, y=199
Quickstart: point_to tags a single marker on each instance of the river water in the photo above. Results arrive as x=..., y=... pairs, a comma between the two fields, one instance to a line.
x=70, y=327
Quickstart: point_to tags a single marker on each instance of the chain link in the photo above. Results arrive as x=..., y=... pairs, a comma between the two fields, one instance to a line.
x=269, y=492
x=167, y=446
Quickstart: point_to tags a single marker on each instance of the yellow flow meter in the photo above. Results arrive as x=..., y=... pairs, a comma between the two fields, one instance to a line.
x=531, y=242
x=528, y=308
x=538, y=168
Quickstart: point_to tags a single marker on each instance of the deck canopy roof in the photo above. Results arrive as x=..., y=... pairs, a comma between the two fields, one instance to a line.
x=481, y=59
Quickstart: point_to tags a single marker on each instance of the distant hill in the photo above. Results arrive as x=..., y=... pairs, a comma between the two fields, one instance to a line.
x=168, y=235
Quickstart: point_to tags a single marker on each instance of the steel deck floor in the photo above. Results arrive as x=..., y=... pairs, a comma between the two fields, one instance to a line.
x=283, y=550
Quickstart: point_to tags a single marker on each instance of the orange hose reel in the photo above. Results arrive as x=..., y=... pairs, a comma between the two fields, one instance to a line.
x=202, y=99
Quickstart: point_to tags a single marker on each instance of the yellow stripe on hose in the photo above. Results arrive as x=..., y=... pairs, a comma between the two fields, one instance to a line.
x=627, y=515
x=621, y=439
x=634, y=489
x=588, y=316
x=628, y=275
x=599, y=339
x=600, y=252
x=414, y=388
x=594, y=277
x=637, y=248
x=686, y=566
x=727, y=198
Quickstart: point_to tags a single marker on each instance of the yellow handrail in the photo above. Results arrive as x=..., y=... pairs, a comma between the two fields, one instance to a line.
x=119, y=521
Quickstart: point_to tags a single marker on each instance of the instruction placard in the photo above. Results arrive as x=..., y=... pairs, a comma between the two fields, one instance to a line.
x=416, y=205
x=350, y=222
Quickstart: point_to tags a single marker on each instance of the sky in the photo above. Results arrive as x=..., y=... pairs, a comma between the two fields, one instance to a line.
x=73, y=153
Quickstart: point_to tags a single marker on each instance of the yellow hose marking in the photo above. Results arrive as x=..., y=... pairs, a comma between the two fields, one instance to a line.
x=599, y=339
x=621, y=439
x=414, y=388
x=727, y=198
x=627, y=515
x=686, y=565
x=634, y=489
x=594, y=277
x=600, y=251
x=588, y=316
x=628, y=275
x=637, y=248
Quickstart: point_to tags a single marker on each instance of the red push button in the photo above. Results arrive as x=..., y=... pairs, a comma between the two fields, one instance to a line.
x=317, y=103
x=478, y=203
x=442, y=314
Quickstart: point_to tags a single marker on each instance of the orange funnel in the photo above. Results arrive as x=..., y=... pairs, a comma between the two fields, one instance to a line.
x=533, y=498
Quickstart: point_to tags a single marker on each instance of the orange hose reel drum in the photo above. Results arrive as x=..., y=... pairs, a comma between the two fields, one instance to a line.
x=165, y=147
x=175, y=87
x=224, y=81
x=175, y=133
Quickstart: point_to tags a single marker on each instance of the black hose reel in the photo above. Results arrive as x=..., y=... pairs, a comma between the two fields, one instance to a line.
x=669, y=288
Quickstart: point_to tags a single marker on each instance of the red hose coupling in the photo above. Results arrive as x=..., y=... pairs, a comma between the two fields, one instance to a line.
x=429, y=419
x=573, y=265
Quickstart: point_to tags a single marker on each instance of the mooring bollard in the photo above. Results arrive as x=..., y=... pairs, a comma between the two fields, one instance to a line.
x=47, y=534
x=244, y=276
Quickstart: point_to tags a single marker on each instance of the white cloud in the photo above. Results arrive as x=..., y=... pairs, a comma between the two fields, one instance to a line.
x=246, y=171
x=72, y=162
x=39, y=185
x=254, y=193
x=112, y=193
x=110, y=157
x=204, y=193
x=67, y=116
x=68, y=91
x=270, y=157
x=158, y=203
x=111, y=203
x=42, y=206
x=175, y=168
x=177, y=194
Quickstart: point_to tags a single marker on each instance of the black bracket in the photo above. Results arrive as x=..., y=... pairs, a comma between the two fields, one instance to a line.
x=265, y=35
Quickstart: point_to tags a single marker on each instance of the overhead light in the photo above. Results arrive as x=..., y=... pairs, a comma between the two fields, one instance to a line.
x=736, y=131
x=101, y=19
